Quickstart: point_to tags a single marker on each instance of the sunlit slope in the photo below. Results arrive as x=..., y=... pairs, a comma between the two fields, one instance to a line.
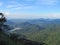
x=51, y=35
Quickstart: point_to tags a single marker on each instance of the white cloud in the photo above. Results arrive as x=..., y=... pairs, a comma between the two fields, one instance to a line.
x=47, y=2
x=44, y=2
x=32, y=16
x=17, y=5
x=37, y=3
x=1, y=3
x=14, y=4
x=25, y=7
x=7, y=13
x=28, y=0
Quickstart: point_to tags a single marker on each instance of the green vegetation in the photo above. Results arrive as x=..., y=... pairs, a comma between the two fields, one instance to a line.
x=34, y=31
x=13, y=40
x=10, y=38
x=50, y=35
x=5, y=40
x=44, y=30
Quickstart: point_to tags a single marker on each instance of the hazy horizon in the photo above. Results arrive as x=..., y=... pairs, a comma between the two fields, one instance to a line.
x=30, y=9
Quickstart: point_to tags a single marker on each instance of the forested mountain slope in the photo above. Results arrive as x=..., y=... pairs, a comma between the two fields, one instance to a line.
x=47, y=31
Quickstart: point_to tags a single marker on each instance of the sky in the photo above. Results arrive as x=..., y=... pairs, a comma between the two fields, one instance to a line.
x=30, y=9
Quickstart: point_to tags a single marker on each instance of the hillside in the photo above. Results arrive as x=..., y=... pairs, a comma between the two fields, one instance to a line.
x=14, y=40
x=8, y=38
x=44, y=30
